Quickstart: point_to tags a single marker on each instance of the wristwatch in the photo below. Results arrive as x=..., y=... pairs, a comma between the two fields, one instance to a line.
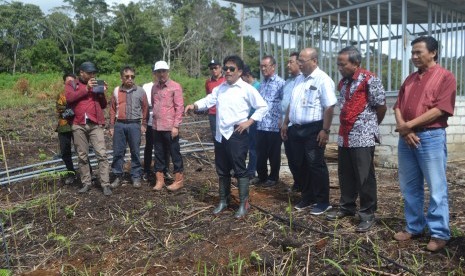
x=326, y=130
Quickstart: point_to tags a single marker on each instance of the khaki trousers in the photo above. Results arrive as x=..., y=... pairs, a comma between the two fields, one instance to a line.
x=93, y=133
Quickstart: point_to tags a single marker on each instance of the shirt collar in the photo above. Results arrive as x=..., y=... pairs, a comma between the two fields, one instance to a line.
x=127, y=89
x=160, y=85
x=313, y=74
x=272, y=78
x=427, y=70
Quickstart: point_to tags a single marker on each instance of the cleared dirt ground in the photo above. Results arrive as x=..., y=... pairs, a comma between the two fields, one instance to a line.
x=52, y=230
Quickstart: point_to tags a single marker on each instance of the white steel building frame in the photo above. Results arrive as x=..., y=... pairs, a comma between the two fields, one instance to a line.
x=381, y=29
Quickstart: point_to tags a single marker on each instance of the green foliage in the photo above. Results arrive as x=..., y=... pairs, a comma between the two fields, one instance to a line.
x=193, y=88
x=63, y=242
x=46, y=56
x=21, y=26
x=5, y=272
x=42, y=155
x=236, y=266
x=137, y=33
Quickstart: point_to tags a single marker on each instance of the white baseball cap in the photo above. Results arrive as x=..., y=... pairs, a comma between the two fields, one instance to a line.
x=161, y=65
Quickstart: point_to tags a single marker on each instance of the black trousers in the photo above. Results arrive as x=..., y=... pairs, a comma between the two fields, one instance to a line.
x=291, y=162
x=268, y=148
x=66, y=140
x=309, y=157
x=148, y=151
x=357, y=178
x=163, y=142
x=231, y=154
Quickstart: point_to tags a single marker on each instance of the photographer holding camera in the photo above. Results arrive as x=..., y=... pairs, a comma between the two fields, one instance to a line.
x=87, y=98
x=65, y=135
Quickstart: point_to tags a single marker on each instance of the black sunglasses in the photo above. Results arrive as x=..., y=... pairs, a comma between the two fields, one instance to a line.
x=129, y=77
x=230, y=68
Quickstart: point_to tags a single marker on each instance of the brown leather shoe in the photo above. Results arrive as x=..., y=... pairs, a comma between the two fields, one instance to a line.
x=404, y=236
x=160, y=183
x=436, y=244
x=178, y=182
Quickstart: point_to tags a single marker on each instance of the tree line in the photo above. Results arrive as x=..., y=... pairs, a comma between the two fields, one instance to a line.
x=185, y=33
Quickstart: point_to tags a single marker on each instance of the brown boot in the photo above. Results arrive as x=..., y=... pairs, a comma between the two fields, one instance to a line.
x=160, y=183
x=178, y=182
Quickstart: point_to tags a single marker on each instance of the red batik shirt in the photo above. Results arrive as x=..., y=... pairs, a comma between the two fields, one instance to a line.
x=168, y=105
x=359, y=96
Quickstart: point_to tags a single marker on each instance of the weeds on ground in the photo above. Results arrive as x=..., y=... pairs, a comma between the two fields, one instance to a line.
x=202, y=269
x=62, y=241
x=236, y=265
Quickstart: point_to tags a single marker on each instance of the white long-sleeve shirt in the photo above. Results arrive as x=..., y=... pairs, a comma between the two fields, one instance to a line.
x=148, y=91
x=233, y=104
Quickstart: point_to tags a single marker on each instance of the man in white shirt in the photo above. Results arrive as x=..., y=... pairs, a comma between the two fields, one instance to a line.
x=233, y=99
x=148, y=150
x=311, y=113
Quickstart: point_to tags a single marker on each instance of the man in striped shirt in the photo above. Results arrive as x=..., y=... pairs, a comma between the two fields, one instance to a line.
x=311, y=113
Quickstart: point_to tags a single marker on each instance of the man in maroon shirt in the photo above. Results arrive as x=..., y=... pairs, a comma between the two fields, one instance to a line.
x=216, y=78
x=168, y=107
x=88, y=124
x=426, y=100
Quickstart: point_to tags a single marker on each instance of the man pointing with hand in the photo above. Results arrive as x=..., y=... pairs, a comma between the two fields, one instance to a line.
x=233, y=99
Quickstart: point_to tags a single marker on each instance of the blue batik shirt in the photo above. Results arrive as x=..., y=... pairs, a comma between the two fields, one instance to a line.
x=271, y=90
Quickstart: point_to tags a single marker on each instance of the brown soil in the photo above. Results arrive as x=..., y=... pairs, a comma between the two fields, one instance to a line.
x=52, y=230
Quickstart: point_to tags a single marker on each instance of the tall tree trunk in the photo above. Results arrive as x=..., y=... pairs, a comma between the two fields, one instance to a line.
x=93, y=32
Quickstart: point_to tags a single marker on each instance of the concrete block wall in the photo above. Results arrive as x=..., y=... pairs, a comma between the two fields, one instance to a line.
x=386, y=152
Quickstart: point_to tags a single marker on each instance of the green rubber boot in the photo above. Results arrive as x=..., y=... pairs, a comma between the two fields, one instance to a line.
x=244, y=206
x=225, y=194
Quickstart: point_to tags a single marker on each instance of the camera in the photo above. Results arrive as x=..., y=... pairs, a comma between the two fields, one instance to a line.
x=67, y=114
x=100, y=87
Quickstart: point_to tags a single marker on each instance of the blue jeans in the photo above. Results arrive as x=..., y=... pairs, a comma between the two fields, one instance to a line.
x=126, y=134
x=426, y=162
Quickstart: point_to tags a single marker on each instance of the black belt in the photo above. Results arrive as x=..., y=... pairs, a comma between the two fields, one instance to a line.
x=423, y=129
x=128, y=121
x=307, y=125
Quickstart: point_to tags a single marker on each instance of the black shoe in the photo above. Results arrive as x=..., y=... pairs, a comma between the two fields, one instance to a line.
x=269, y=183
x=296, y=188
x=146, y=177
x=364, y=226
x=338, y=214
x=70, y=180
x=136, y=183
x=256, y=181
x=107, y=191
x=117, y=182
x=84, y=189
x=320, y=208
x=302, y=205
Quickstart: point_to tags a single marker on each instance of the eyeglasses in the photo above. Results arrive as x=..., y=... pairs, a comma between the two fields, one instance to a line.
x=264, y=66
x=230, y=68
x=129, y=77
x=302, y=61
